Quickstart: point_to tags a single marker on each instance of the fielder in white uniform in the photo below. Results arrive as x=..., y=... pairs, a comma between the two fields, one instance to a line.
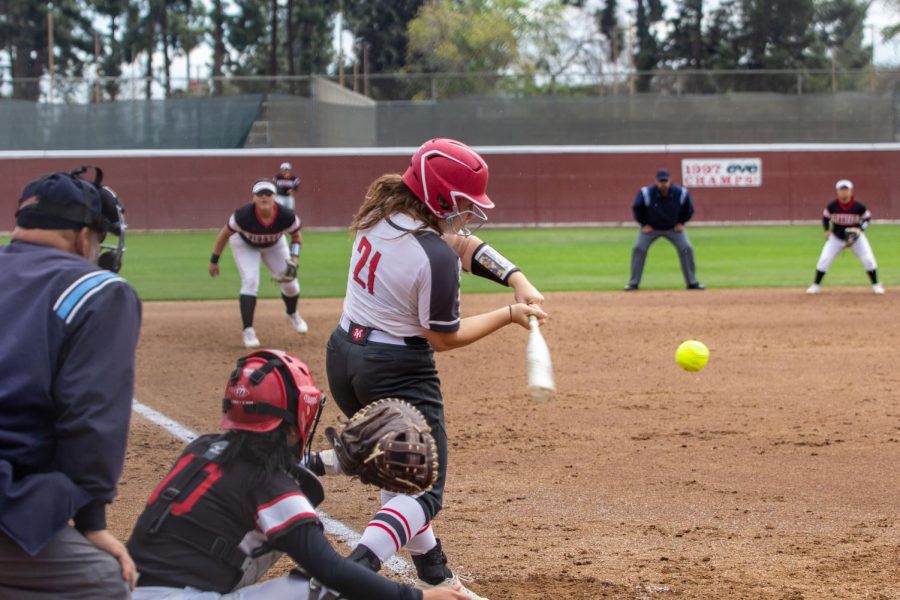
x=260, y=227
x=845, y=220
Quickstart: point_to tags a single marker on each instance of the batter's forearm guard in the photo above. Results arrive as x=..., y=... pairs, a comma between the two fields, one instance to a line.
x=490, y=264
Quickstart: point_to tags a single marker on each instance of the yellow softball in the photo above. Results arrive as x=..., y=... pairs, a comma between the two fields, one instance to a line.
x=692, y=355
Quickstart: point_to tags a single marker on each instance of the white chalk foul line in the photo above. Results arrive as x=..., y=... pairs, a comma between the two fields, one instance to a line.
x=332, y=526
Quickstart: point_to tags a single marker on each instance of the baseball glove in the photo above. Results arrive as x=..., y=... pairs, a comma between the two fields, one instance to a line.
x=851, y=234
x=389, y=444
x=289, y=273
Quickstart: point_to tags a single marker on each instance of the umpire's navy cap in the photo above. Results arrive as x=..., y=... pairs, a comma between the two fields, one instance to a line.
x=63, y=201
x=662, y=174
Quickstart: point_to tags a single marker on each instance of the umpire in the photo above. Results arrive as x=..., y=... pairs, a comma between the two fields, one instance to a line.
x=67, y=354
x=662, y=211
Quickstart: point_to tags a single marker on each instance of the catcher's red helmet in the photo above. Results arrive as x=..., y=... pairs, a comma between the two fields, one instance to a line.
x=268, y=387
x=442, y=171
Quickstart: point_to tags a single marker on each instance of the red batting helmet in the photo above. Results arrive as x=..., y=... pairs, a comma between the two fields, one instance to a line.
x=268, y=387
x=442, y=171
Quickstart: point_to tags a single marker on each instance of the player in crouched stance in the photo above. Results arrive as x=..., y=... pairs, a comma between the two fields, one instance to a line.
x=259, y=226
x=845, y=220
x=234, y=503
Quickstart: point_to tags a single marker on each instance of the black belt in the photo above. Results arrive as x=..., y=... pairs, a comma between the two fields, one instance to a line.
x=360, y=334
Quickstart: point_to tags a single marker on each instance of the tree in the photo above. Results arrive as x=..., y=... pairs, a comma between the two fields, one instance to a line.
x=217, y=15
x=608, y=19
x=839, y=24
x=312, y=48
x=469, y=36
x=245, y=30
x=562, y=39
x=111, y=64
x=383, y=24
x=647, y=54
x=140, y=37
x=23, y=36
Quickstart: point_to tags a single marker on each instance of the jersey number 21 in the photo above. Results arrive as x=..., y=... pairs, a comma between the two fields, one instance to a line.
x=365, y=249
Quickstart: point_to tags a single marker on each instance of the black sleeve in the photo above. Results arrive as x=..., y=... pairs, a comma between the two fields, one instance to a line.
x=687, y=208
x=309, y=548
x=639, y=209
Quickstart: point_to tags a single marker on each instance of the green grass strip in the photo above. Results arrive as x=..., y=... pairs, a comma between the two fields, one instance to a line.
x=172, y=265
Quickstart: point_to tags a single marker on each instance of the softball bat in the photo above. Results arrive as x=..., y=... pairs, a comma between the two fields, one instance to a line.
x=537, y=360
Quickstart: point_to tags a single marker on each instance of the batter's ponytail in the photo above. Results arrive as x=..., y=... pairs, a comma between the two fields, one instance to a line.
x=386, y=196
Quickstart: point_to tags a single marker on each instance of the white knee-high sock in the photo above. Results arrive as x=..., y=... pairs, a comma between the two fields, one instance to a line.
x=423, y=541
x=399, y=519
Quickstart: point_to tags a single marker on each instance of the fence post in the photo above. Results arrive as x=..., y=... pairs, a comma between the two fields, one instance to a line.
x=799, y=83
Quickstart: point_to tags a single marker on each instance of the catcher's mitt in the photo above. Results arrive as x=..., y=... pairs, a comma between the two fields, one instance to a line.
x=389, y=444
x=289, y=273
x=851, y=234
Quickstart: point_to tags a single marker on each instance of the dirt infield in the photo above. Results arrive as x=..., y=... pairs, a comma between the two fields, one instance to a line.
x=771, y=474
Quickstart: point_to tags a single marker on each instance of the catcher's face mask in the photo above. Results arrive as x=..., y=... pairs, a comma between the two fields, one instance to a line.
x=269, y=387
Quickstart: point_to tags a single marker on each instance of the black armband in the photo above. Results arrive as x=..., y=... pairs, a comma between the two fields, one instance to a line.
x=490, y=264
x=295, y=249
x=214, y=259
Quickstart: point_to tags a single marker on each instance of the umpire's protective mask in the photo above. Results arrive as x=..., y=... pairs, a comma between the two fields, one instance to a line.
x=66, y=201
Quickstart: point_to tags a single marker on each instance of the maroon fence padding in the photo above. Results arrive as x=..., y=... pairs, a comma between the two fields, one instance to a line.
x=191, y=192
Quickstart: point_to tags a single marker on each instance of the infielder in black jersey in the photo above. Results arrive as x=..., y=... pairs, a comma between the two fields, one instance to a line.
x=234, y=503
x=260, y=226
x=286, y=183
x=402, y=304
x=69, y=327
x=845, y=220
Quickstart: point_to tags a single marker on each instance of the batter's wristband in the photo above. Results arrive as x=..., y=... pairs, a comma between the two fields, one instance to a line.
x=214, y=258
x=295, y=249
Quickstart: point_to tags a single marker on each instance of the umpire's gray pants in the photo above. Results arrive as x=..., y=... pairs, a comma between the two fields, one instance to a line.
x=682, y=245
x=68, y=568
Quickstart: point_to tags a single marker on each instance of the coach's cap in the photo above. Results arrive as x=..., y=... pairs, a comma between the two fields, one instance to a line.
x=662, y=174
x=285, y=166
x=844, y=183
x=60, y=201
x=263, y=185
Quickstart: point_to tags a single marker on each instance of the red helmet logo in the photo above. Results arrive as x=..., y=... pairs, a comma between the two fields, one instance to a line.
x=443, y=171
x=267, y=388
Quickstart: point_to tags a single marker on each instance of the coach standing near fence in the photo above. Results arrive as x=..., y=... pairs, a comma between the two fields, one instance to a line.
x=67, y=355
x=662, y=210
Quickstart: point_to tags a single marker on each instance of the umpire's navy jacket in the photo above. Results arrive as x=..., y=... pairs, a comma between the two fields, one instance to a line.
x=663, y=212
x=67, y=347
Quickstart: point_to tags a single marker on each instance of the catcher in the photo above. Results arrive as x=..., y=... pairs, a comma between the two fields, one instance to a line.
x=234, y=503
x=260, y=226
x=845, y=220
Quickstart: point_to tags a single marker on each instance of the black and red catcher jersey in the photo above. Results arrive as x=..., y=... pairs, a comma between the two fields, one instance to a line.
x=242, y=505
x=247, y=223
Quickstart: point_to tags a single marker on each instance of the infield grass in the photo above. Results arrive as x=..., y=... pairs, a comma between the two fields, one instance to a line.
x=172, y=266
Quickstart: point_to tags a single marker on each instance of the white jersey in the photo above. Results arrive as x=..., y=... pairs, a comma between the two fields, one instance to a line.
x=402, y=279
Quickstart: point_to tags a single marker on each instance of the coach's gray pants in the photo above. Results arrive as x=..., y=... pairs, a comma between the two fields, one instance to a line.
x=68, y=568
x=682, y=245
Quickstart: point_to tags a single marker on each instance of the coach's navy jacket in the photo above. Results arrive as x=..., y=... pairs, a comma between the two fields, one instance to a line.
x=663, y=212
x=68, y=332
